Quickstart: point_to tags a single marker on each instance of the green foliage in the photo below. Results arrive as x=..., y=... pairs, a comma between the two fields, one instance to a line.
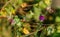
x=35, y=24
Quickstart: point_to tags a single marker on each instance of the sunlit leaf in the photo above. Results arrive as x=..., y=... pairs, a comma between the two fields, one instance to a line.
x=25, y=31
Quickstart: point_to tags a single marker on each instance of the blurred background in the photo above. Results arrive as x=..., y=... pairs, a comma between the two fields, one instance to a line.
x=29, y=18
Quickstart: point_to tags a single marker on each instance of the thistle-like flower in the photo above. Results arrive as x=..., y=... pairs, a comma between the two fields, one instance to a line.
x=41, y=18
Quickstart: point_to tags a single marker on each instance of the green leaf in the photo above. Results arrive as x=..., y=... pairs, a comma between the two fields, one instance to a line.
x=57, y=19
x=20, y=1
x=37, y=13
x=42, y=5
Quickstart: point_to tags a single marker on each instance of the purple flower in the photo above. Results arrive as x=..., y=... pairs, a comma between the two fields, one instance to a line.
x=12, y=22
x=41, y=18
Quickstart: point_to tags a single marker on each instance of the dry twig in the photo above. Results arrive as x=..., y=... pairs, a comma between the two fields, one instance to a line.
x=6, y=4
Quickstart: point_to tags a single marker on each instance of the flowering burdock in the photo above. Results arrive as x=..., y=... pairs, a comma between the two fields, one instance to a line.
x=41, y=18
x=11, y=21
